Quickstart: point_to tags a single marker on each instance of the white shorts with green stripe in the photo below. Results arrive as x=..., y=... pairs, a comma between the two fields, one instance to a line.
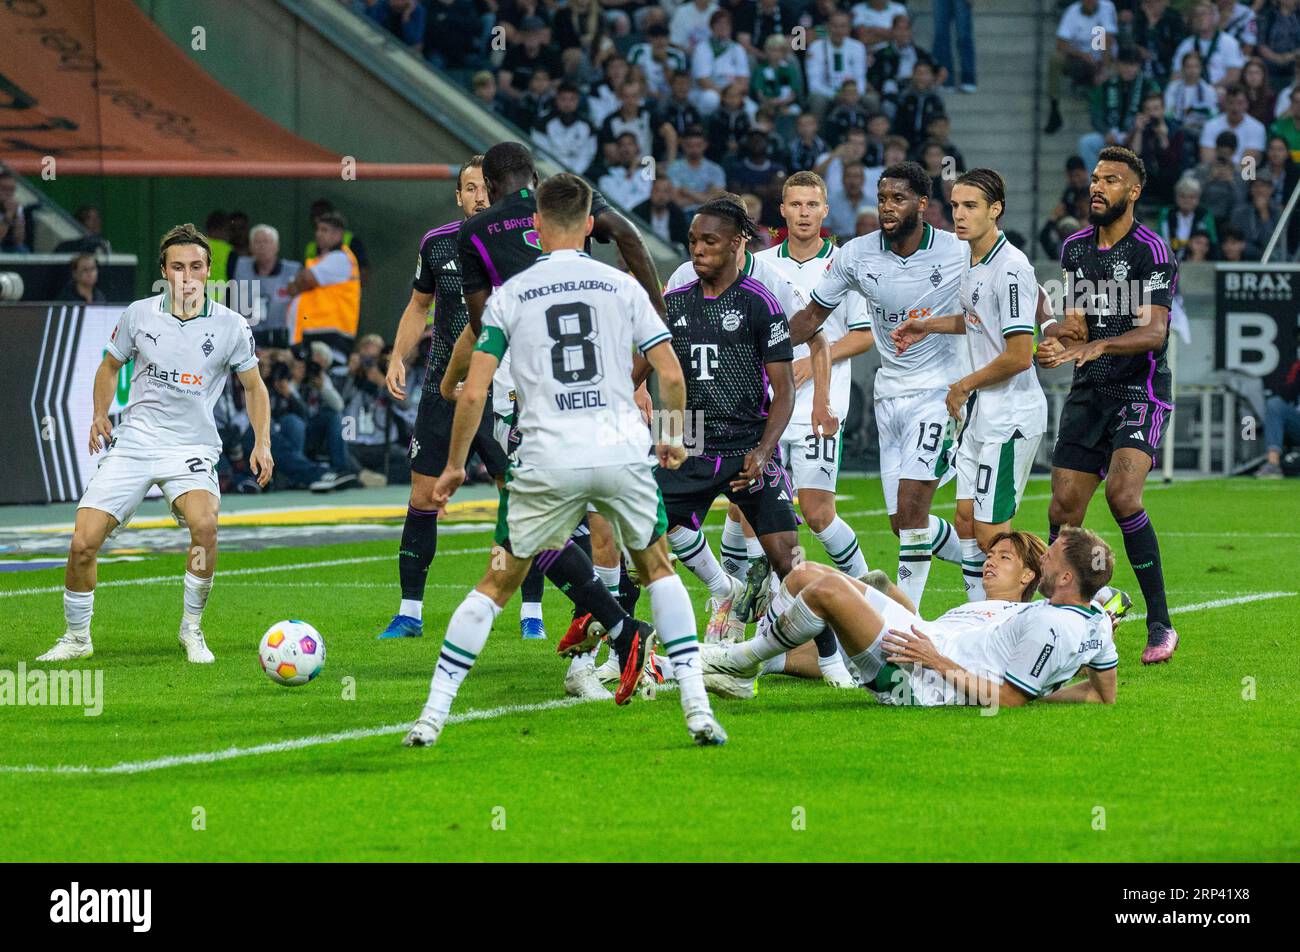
x=813, y=461
x=916, y=438
x=995, y=475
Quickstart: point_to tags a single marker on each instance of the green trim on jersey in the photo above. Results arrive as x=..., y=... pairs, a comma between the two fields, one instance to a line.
x=654, y=341
x=997, y=246
x=1004, y=492
x=492, y=341
x=927, y=241
x=1007, y=676
x=661, y=520
x=783, y=251
x=501, y=535
x=748, y=269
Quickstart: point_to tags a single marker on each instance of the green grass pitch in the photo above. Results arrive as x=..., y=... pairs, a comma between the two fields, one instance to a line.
x=1197, y=761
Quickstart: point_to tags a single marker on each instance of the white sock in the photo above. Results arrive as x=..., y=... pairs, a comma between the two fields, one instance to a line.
x=196, y=597
x=773, y=665
x=972, y=569
x=872, y=660
x=832, y=664
x=609, y=575
x=530, y=610
x=670, y=605
x=796, y=625
x=77, y=609
x=734, y=551
x=914, y=553
x=753, y=548
x=467, y=633
x=841, y=544
x=943, y=540
x=411, y=608
x=692, y=549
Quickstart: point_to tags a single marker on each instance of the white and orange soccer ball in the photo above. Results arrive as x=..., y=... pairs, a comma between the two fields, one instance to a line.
x=292, y=653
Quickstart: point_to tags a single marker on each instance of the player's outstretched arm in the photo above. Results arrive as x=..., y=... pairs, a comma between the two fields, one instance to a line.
x=610, y=225
x=409, y=329
x=1152, y=323
x=1099, y=688
x=475, y=302
x=807, y=321
x=258, y=402
x=101, y=427
x=852, y=344
x=670, y=443
x=457, y=364
x=824, y=421
x=918, y=328
x=469, y=413
x=915, y=647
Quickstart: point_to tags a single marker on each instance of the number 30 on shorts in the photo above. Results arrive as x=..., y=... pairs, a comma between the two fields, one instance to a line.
x=820, y=447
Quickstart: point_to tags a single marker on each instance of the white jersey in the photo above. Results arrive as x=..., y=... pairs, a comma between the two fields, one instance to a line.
x=1036, y=646
x=180, y=371
x=999, y=298
x=755, y=267
x=570, y=324
x=851, y=314
x=925, y=284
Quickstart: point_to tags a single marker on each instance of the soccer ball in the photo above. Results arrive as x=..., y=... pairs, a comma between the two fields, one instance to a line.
x=292, y=653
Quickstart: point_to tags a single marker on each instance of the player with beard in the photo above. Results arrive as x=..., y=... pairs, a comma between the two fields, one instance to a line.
x=1120, y=279
x=906, y=271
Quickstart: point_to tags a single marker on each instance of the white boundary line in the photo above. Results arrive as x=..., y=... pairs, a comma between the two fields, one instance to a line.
x=316, y=740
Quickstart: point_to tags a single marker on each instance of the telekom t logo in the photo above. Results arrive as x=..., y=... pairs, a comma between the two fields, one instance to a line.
x=704, y=360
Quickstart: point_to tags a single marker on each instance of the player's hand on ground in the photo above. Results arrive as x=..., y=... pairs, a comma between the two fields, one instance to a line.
x=396, y=378
x=101, y=430
x=824, y=420
x=670, y=457
x=752, y=471
x=452, y=478
x=802, y=370
x=1050, y=352
x=956, y=400
x=910, y=647
x=906, y=334
x=261, y=463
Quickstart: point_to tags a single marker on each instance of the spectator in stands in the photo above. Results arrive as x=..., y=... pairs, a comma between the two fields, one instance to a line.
x=1233, y=245
x=1284, y=97
x=695, y=177
x=565, y=134
x=1054, y=233
x=265, y=274
x=237, y=230
x=377, y=432
x=754, y=172
x=777, y=82
x=605, y=99
x=633, y=115
x=1073, y=205
x=627, y=183
x=846, y=113
x=288, y=424
x=351, y=241
x=1156, y=30
x=832, y=60
x=1248, y=130
x=537, y=101
x=1238, y=20
x=580, y=24
x=943, y=172
x=806, y=146
x=690, y=24
x=323, y=434
x=1258, y=218
x=1115, y=105
x=757, y=21
x=945, y=12
x=727, y=126
x=1163, y=151
x=662, y=213
x=529, y=53
x=830, y=165
x=892, y=65
x=918, y=104
x=1284, y=173
x=92, y=220
x=754, y=208
x=1077, y=55
x=658, y=60
x=448, y=23
x=1176, y=222
x=1199, y=248
x=1219, y=51
x=868, y=220
x=404, y=19
x=717, y=64
x=937, y=130
x=217, y=231
x=1278, y=28
x=1259, y=95
x=850, y=199
x=326, y=293
x=873, y=22
x=83, y=281
x=895, y=151
x=1222, y=188
x=1281, y=422
x=484, y=84
x=1190, y=100
x=1287, y=127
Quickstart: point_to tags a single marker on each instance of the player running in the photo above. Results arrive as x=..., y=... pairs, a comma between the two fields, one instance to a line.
x=184, y=346
x=572, y=324
x=995, y=653
x=1120, y=279
x=437, y=282
x=906, y=271
x=1003, y=404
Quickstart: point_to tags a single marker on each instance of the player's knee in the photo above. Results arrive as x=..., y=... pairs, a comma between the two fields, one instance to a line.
x=1123, y=500
x=818, y=513
x=422, y=491
x=985, y=533
x=964, y=523
x=203, y=532
x=1059, y=513
x=83, y=548
x=801, y=576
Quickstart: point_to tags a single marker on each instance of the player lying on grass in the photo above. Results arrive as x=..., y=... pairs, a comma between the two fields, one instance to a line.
x=573, y=324
x=993, y=653
x=184, y=346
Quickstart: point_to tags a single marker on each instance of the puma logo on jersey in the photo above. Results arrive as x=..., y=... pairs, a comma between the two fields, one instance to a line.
x=152, y=337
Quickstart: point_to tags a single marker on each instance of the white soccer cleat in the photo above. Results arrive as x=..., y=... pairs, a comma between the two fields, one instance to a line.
x=608, y=672
x=730, y=686
x=716, y=659
x=705, y=729
x=581, y=681
x=69, y=647
x=839, y=677
x=424, y=732
x=724, y=624
x=196, y=648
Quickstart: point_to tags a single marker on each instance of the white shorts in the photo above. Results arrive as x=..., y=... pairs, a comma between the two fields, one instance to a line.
x=813, y=461
x=916, y=436
x=995, y=475
x=901, y=685
x=123, y=480
x=541, y=507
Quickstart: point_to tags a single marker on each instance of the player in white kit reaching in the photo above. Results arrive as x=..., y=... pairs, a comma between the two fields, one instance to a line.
x=184, y=346
x=1004, y=409
x=572, y=324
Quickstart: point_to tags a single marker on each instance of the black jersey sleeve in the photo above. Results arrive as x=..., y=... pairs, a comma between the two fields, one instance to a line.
x=771, y=329
x=598, y=203
x=473, y=270
x=431, y=258
x=1158, y=273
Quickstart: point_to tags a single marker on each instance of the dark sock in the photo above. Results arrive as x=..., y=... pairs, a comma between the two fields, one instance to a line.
x=1053, y=530
x=1144, y=555
x=571, y=571
x=419, y=543
x=826, y=644
x=628, y=592
x=582, y=539
x=534, y=583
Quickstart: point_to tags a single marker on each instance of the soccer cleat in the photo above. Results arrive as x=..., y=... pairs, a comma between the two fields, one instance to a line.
x=332, y=481
x=424, y=732
x=196, y=649
x=705, y=729
x=1269, y=471
x=581, y=681
x=1161, y=644
x=723, y=623
x=632, y=648
x=532, y=629
x=757, y=593
x=584, y=634
x=403, y=626
x=70, y=647
x=1115, y=603
x=608, y=672
x=837, y=675
x=716, y=659
x=730, y=686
